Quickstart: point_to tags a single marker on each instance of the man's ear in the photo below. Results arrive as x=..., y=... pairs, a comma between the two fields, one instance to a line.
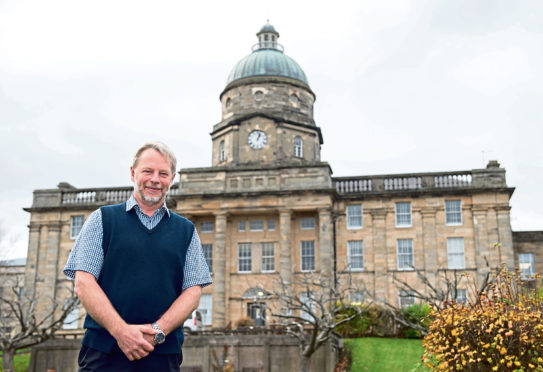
x=132, y=174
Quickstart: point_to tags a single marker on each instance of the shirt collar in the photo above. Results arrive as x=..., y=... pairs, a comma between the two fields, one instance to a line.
x=132, y=203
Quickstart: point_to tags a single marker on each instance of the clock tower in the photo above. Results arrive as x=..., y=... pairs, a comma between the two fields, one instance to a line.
x=267, y=111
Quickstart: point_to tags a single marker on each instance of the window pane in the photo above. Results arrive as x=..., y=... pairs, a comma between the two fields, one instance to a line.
x=355, y=255
x=357, y=297
x=403, y=214
x=307, y=223
x=241, y=226
x=526, y=265
x=453, y=212
x=208, y=254
x=406, y=298
x=455, y=253
x=206, y=227
x=75, y=226
x=354, y=216
x=244, y=257
x=308, y=303
x=271, y=225
x=268, y=256
x=405, y=254
x=256, y=225
x=298, y=147
x=308, y=256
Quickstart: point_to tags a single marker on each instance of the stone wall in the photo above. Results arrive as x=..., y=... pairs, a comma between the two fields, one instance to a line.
x=245, y=352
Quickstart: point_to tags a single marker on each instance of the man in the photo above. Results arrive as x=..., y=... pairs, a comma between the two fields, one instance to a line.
x=138, y=269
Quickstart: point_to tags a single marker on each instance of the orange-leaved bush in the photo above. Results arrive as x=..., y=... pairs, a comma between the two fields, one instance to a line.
x=500, y=330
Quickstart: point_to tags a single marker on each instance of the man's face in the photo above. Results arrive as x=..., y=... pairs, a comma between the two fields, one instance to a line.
x=152, y=178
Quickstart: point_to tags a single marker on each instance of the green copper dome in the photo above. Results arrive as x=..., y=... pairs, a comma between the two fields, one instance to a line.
x=267, y=59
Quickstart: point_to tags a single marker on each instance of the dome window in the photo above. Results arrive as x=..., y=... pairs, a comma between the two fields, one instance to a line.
x=228, y=103
x=298, y=147
x=259, y=95
x=294, y=99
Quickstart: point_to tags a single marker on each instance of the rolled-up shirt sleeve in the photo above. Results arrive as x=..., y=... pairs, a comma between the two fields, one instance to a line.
x=87, y=254
x=196, y=271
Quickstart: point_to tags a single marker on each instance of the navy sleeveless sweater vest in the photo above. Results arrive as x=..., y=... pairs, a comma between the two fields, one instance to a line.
x=142, y=274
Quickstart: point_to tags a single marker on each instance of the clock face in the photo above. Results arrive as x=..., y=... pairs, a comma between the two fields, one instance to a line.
x=257, y=139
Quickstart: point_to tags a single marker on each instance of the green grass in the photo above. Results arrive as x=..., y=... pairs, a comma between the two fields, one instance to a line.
x=21, y=362
x=386, y=354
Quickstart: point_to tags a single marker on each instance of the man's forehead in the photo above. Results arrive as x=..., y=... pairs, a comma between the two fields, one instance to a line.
x=149, y=154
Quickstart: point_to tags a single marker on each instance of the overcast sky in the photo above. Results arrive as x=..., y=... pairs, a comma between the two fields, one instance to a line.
x=402, y=86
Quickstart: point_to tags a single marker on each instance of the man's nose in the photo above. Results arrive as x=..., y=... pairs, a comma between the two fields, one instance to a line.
x=155, y=177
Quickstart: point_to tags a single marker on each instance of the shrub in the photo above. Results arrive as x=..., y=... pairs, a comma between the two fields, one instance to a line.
x=372, y=321
x=500, y=331
x=417, y=314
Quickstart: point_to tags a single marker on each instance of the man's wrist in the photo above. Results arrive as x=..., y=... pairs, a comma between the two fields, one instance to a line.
x=160, y=336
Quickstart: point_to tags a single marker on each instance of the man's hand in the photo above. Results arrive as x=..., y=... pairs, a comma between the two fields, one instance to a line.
x=135, y=341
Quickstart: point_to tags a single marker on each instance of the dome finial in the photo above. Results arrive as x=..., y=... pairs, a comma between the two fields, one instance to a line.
x=267, y=37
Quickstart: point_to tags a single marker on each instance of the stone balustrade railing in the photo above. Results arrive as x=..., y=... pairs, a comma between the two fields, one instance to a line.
x=109, y=195
x=420, y=181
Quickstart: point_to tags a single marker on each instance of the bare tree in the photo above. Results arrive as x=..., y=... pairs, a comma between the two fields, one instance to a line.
x=27, y=320
x=439, y=294
x=311, y=308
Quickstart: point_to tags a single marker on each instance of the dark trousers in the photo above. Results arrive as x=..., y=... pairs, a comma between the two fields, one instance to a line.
x=91, y=360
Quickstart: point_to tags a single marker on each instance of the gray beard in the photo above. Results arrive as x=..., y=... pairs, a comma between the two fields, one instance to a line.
x=148, y=199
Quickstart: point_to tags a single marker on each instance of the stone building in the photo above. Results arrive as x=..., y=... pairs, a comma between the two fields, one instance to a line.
x=268, y=206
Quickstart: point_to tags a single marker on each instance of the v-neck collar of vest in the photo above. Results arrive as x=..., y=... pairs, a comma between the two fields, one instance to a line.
x=134, y=215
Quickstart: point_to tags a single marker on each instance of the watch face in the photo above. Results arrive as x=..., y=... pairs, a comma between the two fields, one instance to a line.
x=257, y=139
x=159, y=337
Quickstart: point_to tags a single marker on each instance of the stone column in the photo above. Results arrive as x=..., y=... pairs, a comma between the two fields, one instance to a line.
x=325, y=243
x=285, y=261
x=380, y=261
x=32, y=259
x=48, y=270
x=506, y=237
x=430, y=256
x=481, y=242
x=219, y=272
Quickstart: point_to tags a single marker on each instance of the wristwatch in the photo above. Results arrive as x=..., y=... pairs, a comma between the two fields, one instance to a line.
x=160, y=337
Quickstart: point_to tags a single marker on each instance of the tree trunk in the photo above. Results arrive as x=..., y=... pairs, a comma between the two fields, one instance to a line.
x=7, y=360
x=304, y=363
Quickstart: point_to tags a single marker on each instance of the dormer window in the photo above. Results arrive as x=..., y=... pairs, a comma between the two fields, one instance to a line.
x=298, y=147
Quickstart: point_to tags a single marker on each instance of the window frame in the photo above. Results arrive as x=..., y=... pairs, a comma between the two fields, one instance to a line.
x=307, y=227
x=530, y=262
x=451, y=213
x=207, y=230
x=254, y=228
x=350, y=216
x=402, y=254
x=310, y=257
x=222, y=151
x=351, y=256
x=271, y=225
x=247, y=259
x=242, y=226
x=73, y=225
x=450, y=248
x=208, y=257
x=271, y=258
x=298, y=147
x=401, y=213
x=410, y=295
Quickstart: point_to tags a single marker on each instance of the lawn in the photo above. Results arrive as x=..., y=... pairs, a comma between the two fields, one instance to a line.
x=386, y=354
x=22, y=361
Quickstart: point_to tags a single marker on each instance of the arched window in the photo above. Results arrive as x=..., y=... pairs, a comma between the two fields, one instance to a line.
x=222, y=153
x=298, y=147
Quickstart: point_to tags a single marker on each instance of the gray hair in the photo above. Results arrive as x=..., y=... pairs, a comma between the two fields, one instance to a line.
x=161, y=148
